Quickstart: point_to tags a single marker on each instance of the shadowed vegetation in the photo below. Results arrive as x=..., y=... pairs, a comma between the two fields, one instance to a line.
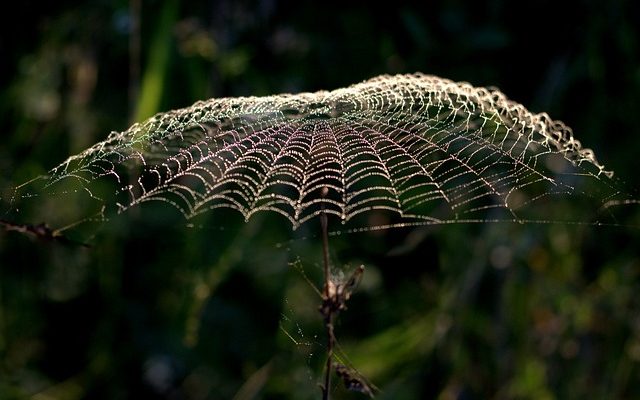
x=216, y=308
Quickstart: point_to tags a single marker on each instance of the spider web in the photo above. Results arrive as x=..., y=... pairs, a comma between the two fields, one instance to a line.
x=421, y=148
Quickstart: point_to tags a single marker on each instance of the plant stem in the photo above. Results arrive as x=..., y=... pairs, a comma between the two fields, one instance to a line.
x=327, y=311
x=325, y=252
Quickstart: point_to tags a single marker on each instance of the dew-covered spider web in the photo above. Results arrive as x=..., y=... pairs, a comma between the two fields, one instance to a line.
x=419, y=148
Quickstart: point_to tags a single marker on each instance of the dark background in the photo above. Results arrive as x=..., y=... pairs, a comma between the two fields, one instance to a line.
x=159, y=309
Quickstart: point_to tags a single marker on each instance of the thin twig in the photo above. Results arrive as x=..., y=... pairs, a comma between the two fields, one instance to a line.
x=40, y=231
x=330, y=342
x=327, y=311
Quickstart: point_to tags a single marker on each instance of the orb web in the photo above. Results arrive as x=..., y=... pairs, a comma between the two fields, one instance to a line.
x=422, y=148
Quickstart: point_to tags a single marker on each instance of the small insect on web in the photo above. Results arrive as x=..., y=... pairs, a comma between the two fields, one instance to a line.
x=338, y=293
x=353, y=381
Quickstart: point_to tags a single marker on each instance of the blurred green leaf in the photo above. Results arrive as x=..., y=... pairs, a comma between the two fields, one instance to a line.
x=158, y=63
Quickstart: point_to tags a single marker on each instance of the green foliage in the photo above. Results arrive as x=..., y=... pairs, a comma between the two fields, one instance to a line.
x=158, y=63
